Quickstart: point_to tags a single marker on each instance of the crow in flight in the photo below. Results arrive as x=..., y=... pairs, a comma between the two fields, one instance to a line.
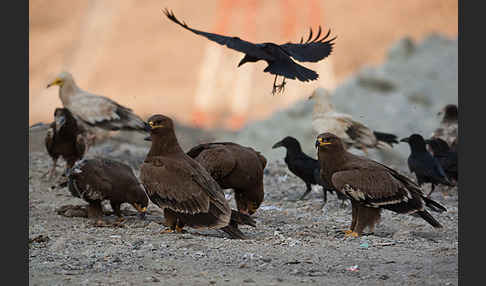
x=278, y=57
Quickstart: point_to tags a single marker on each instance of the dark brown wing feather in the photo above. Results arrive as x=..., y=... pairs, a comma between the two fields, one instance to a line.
x=378, y=189
x=215, y=158
x=184, y=187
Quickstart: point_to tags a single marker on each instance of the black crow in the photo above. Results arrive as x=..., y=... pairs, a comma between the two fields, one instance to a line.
x=446, y=157
x=303, y=166
x=278, y=57
x=427, y=169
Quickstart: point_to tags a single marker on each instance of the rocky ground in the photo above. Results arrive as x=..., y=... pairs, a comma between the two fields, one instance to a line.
x=295, y=242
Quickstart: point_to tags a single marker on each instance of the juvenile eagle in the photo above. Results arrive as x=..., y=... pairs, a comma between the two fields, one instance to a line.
x=98, y=179
x=278, y=57
x=370, y=186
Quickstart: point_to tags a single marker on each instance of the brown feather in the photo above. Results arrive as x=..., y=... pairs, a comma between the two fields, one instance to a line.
x=98, y=179
x=237, y=167
x=179, y=184
x=370, y=185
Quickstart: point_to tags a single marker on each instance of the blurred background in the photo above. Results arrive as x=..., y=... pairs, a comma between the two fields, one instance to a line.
x=129, y=51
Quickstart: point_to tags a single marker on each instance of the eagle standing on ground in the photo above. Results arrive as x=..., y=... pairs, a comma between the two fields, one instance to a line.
x=353, y=133
x=95, y=110
x=98, y=179
x=371, y=186
x=237, y=167
x=182, y=187
x=304, y=167
x=64, y=138
x=427, y=169
x=278, y=57
x=448, y=129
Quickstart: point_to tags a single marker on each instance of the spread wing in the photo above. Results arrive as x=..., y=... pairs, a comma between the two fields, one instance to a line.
x=312, y=50
x=103, y=112
x=234, y=43
x=181, y=186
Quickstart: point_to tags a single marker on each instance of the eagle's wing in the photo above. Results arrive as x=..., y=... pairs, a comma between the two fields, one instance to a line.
x=103, y=112
x=215, y=158
x=312, y=50
x=181, y=186
x=378, y=189
x=234, y=43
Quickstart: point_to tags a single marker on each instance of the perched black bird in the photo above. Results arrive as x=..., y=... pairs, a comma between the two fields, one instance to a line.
x=304, y=167
x=427, y=169
x=446, y=157
x=278, y=57
x=64, y=138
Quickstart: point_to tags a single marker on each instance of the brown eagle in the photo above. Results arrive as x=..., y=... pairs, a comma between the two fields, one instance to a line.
x=370, y=186
x=182, y=187
x=237, y=167
x=98, y=179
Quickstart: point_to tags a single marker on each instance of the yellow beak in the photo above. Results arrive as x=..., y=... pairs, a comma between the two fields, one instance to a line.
x=57, y=81
x=153, y=126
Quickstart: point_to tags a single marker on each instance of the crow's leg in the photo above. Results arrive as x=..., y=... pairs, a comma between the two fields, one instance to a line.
x=274, y=89
x=307, y=191
x=432, y=190
x=281, y=87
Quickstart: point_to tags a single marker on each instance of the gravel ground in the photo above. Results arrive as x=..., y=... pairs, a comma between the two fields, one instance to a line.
x=295, y=242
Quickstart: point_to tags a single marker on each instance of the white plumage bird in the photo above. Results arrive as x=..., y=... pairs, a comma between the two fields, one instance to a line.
x=95, y=110
x=353, y=133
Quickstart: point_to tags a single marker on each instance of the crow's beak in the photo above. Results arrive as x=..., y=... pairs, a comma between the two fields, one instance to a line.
x=276, y=145
x=405, y=140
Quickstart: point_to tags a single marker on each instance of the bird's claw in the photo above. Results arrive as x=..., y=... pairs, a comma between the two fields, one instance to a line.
x=351, y=234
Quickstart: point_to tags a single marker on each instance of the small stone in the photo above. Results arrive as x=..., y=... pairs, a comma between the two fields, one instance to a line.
x=384, y=277
x=249, y=280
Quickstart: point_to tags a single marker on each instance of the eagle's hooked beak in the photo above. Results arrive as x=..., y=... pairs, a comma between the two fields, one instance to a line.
x=57, y=81
x=321, y=142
